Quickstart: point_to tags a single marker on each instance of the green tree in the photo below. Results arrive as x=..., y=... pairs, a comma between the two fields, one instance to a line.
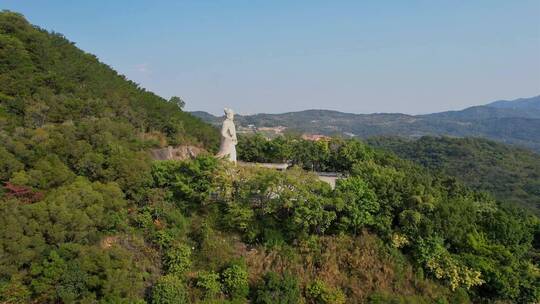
x=252, y=148
x=177, y=101
x=191, y=181
x=356, y=204
x=8, y=164
x=14, y=291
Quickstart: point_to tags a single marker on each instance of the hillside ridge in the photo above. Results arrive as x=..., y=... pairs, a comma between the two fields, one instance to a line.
x=515, y=125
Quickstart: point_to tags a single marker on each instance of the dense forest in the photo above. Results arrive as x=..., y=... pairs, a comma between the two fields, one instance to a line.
x=47, y=80
x=511, y=174
x=353, y=156
x=87, y=217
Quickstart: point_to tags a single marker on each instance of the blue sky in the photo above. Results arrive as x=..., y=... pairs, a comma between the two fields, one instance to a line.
x=277, y=56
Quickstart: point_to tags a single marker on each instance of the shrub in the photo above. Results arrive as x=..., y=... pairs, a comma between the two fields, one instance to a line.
x=276, y=289
x=318, y=293
x=209, y=282
x=178, y=259
x=235, y=281
x=169, y=289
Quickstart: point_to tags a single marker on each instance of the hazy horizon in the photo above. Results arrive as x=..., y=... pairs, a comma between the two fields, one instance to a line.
x=220, y=113
x=415, y=58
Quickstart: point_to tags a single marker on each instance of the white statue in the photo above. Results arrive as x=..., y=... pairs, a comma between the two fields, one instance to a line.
x=227, y=148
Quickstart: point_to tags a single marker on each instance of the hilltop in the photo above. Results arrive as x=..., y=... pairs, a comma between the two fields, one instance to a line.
x=532, y=103
x=514, y=122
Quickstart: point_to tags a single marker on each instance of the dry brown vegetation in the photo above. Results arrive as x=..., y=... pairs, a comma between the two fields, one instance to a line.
x=353, y=264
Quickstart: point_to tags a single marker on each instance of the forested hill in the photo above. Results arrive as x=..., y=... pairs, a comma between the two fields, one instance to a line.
x=522, y=103
x=511, y=174
x=74, y=136
x=515, y=122
x=45, y=79
x=87, y=217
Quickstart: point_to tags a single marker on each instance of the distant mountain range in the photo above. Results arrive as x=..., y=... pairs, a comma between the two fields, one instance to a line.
x=514, y=122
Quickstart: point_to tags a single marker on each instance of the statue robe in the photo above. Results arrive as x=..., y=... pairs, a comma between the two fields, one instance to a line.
x=227, y=147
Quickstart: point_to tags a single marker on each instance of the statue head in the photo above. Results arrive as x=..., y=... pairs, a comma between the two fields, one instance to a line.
x=229, y=113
